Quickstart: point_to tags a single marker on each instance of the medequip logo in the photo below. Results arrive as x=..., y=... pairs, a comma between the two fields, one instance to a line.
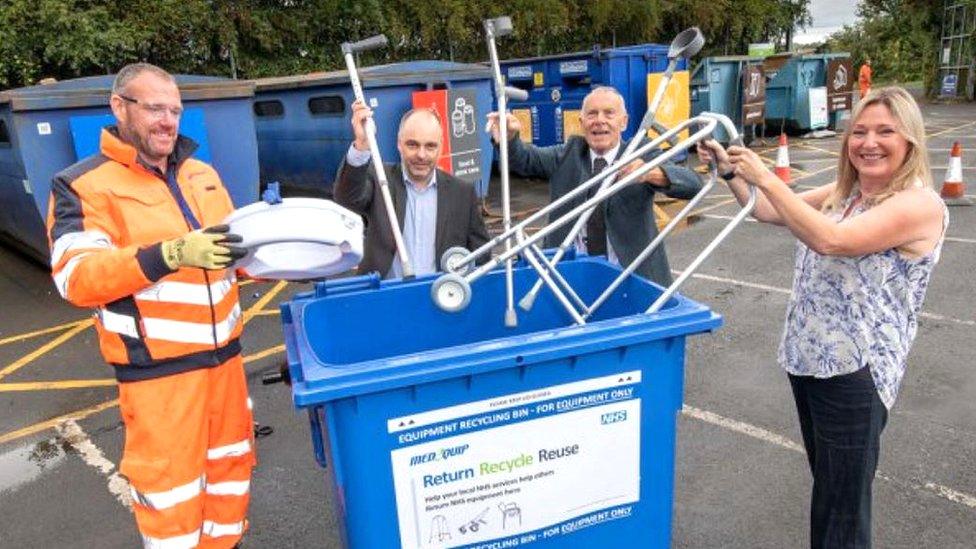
x=442, y=454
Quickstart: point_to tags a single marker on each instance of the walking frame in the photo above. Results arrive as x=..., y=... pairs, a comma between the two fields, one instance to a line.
x=452, y=290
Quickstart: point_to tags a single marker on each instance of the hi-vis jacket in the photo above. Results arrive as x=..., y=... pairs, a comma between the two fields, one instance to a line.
x=108, y=215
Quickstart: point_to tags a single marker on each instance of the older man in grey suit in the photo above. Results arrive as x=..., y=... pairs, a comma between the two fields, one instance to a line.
x=436, y=210
x=626, y=220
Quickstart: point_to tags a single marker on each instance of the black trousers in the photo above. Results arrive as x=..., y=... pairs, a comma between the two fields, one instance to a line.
x=841, y=419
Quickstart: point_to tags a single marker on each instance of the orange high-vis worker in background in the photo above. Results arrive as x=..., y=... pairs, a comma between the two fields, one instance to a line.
x=133, y=236
x=864, y=77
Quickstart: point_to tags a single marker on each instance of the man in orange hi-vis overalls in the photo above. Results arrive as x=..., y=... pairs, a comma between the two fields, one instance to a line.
x=864, y=77
x=133, y=236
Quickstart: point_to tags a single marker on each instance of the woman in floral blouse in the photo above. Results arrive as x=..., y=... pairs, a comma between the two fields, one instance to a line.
x=866, y=248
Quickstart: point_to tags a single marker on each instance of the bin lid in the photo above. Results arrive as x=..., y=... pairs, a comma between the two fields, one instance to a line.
x=94, y=91
x=597, y=51
x=392, y=74
x=298, y=238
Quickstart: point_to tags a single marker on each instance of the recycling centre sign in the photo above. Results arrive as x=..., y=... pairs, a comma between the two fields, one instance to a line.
x=840, y=84
x=753, y=95
x=458, y=110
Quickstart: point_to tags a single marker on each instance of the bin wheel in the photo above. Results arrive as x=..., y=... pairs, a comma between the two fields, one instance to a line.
x=451, y=292
x=451, y=260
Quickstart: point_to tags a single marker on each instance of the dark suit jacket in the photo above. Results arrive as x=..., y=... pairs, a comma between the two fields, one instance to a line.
x=629, y=213
x=459, y=221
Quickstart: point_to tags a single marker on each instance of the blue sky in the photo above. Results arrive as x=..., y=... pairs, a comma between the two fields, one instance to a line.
x=828, y=16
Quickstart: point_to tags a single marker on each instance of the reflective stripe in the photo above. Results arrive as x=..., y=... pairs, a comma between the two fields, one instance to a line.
x=84, y=239
x=64, y=275
x=250, y=403
x=186, y=541
x=231, y=450
x=170, y=498
x=216, y=530
x=229, y=488
x=192, y=332
x=186, y=292
x=118, y=323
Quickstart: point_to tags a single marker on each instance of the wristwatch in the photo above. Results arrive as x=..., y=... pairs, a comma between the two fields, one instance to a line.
x=729, y=175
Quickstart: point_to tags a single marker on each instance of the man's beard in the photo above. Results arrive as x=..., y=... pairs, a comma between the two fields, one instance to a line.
x=141, y=144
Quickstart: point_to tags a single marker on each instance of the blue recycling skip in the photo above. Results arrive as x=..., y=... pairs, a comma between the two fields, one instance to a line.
x=451, y=430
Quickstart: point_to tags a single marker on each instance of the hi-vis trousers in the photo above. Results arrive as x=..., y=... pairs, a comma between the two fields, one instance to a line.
x=189, y=451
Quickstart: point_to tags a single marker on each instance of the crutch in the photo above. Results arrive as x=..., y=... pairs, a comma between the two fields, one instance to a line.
x=502, y=26
x=684, y=46
x=348, y=49
x=452, y=291
x=452, y=259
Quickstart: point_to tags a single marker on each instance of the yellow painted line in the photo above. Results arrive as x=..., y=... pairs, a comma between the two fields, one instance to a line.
x=265, y=299
x=245, y=282
x=811, y=174
x=45, y=331
x=818, y=149
x=956, y=128
x=267, y=312
x=51, y=423
x=26, y=359
x=265, y=353
x=55, y=385
x=107, y=382
x=83, y=413
x=712, y=207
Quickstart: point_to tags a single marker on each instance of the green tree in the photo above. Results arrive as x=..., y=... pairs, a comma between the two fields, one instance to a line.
x=254, y=38
x=900, y=37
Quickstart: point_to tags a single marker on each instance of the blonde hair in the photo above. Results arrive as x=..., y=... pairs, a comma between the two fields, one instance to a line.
x=908, y=118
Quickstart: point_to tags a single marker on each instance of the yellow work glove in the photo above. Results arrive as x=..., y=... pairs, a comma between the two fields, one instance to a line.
x=205, y=248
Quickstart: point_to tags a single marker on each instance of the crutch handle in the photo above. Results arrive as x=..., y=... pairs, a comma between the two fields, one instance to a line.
x=366, y=44
x=499, y=26
x=686, y=44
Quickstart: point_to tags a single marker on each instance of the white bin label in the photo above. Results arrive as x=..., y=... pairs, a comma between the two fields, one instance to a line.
x=44, y=128
x=519, y=468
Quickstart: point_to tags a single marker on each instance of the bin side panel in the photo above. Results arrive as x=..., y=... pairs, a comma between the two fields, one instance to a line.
x=229, y=126
x=46, y=148
x=363, y=448
x=21, y=216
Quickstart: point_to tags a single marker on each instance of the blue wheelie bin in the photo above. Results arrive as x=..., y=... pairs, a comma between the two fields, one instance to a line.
x=450, y=430
x=48, y=127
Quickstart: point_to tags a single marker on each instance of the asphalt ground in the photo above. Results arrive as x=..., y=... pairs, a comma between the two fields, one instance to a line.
x=741, y=477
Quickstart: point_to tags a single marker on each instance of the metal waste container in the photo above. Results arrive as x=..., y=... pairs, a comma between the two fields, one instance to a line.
x=732, y=85
x=303, y=121
x=46, y=128
x=799, y=94
x=450, y=430
x=557, y=85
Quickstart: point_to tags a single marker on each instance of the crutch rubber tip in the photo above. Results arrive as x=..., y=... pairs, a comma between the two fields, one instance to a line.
x=526, y=302
x=511, y=319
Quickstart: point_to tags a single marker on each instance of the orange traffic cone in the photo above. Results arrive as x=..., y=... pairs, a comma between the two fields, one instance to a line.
x=783, y=159
x=953, y=189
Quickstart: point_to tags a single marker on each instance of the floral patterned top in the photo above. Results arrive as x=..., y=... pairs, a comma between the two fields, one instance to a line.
x=849, y=312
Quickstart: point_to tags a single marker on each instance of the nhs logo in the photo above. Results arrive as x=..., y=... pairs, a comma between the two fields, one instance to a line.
x=613, y=417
